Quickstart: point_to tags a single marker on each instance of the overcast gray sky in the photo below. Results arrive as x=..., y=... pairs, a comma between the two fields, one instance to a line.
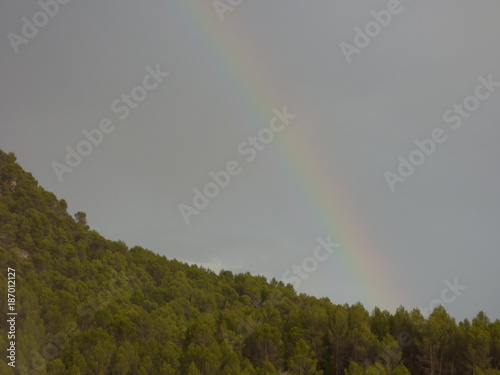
x=359, y=101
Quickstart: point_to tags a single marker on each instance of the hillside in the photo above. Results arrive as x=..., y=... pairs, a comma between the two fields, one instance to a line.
x=88, y=305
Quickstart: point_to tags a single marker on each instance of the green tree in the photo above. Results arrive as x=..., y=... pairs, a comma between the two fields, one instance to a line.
x=56, y=367
x=302, y=361
x=380, y=323
x=206, y=359
x=436, y=342
x=354, y=369
x=167, y=369
x=478, y=344
x=390, y=355
x=363, y=343
x=494, y=329
x=81, y=218
x=247, y=368
x=400, y=370
x=88, y=305
x=376, y=369
x=267, y=368
x=337, y=330
x=193, y=370
x=265, y=345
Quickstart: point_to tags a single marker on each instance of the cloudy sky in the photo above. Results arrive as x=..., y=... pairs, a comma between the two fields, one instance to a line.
x=370, y=124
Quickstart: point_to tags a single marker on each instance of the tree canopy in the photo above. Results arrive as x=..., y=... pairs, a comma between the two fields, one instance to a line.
x=88, y=305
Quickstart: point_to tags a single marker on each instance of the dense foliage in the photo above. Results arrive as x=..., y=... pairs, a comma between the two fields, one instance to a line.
x=88, y=305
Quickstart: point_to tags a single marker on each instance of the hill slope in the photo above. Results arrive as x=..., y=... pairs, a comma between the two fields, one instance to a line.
x=87, y=305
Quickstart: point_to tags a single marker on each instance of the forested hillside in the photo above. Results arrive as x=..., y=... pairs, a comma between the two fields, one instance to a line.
x=87, y=305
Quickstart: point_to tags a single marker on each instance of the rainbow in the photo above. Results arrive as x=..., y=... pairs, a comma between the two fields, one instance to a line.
x=252, y=83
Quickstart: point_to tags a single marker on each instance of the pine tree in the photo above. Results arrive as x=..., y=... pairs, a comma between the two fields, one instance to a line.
x=337, y=331
x=302, y=361
x=193, y=370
